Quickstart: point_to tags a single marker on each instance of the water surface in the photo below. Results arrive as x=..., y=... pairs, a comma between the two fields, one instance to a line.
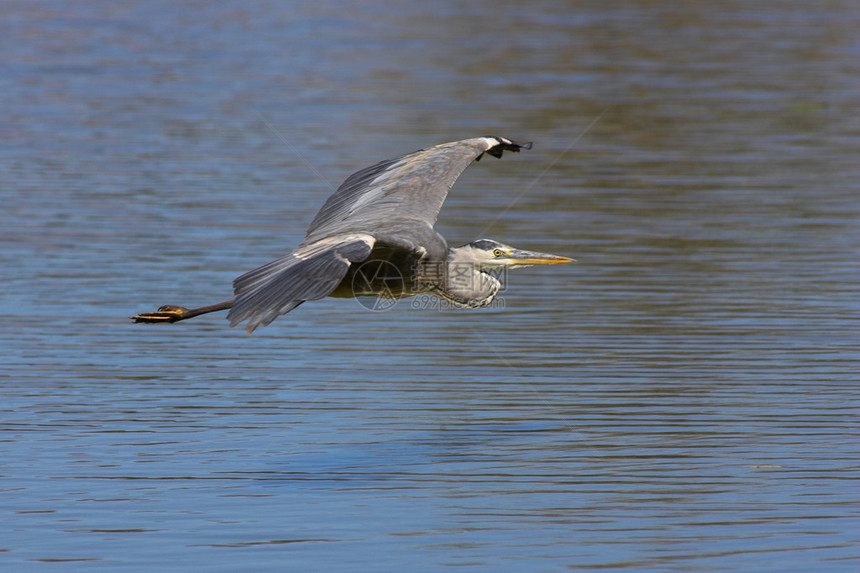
x=682, y=398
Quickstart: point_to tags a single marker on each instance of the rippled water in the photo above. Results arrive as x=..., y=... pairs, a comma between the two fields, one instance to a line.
x=682, y=398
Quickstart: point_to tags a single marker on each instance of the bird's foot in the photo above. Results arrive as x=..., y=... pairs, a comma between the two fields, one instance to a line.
x=166, y=313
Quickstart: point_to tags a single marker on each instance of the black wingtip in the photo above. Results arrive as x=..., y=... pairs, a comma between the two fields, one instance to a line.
x=507, y=145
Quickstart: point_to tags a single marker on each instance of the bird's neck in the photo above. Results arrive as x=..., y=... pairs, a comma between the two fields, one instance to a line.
x=463, y=283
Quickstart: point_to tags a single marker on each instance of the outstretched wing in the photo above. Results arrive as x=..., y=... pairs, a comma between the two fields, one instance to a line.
x=411, y=187
x=310, y=272
x=395, y=201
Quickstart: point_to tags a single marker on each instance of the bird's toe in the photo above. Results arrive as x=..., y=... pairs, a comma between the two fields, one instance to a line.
x=166, y=313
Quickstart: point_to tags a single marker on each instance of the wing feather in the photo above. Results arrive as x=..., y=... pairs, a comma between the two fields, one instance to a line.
x=308, y=273
x=410, y=187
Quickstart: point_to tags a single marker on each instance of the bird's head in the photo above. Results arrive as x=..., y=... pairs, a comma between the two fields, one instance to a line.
x=489, y=254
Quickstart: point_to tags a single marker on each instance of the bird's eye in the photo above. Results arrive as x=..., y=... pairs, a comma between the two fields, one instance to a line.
x=497, y=252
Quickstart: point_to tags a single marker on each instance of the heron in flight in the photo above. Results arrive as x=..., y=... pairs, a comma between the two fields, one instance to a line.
x=375, y=236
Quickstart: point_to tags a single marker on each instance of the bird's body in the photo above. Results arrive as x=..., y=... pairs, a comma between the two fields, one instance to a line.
x=375, y=236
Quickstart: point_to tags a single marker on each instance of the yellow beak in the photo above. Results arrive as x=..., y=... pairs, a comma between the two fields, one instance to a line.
x=519, y=257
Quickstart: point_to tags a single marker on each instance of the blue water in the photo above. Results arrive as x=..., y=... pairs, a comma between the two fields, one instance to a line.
x=684, y=397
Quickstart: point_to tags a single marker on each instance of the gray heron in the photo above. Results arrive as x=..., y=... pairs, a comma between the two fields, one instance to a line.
x=375, y=236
